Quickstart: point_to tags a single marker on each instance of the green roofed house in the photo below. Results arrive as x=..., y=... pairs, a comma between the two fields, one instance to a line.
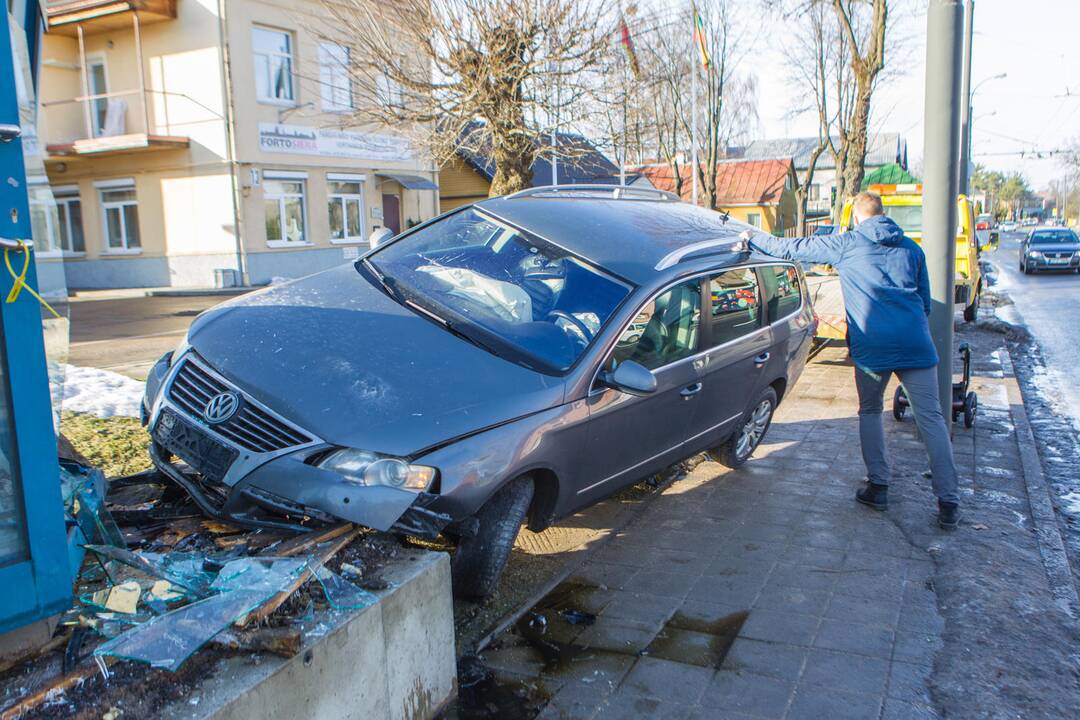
x=891, y=174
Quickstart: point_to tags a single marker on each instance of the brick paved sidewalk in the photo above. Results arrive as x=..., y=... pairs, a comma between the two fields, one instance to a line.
x=767, y=592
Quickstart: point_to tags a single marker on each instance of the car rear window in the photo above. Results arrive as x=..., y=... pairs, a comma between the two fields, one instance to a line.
x=783, y=293
x=735, y=305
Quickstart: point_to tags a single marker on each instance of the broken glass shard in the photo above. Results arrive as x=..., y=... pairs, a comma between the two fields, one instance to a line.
x=342, y=594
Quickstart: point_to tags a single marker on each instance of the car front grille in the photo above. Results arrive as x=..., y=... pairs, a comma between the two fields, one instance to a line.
x=1058, y=255
x=251, y=428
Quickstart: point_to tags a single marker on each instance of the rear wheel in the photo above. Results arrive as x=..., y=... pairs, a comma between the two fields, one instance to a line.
x=898, y=408
x=971, y=406
x=479, y=560
x=972, y=311
x=737, y=449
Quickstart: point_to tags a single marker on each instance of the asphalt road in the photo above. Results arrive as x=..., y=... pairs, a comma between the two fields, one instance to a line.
x=1049, y=305
x=128, y=335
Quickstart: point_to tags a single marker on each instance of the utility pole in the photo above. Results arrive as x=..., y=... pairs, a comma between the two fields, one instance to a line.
x=944, y=44
x=965, y=94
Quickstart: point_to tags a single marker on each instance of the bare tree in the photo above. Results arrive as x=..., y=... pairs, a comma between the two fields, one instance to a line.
x=470, y=73
x=817, y=57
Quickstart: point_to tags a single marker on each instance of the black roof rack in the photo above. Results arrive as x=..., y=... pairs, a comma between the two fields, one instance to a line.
x=610, y=192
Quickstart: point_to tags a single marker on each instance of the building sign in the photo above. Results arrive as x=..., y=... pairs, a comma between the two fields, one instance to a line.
x=328, y=142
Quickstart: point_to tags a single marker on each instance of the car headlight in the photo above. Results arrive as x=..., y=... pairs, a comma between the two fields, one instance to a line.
x=1034, y=253
x=370, y=469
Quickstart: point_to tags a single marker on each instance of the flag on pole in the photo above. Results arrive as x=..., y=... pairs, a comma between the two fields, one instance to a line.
x=628, y=45
x=700, y=41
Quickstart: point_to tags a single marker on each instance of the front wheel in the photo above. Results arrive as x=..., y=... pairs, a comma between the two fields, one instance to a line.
x=972, y=311
x=737, y=449
x=898, y=406
x=971, y=406
x=479, y=560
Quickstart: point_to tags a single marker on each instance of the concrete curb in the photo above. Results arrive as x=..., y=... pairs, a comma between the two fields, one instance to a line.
x=1047, y=531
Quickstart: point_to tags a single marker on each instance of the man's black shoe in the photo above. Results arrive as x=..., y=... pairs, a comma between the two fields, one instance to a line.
x=948, y=515
x=874, y=495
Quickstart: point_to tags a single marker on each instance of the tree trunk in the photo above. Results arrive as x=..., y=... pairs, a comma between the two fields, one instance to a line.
x=855, y=163
x=513, y=169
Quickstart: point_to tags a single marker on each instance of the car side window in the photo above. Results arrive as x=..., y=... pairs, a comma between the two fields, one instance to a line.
x=735, y=305
x=783, y=293
x=665, y=330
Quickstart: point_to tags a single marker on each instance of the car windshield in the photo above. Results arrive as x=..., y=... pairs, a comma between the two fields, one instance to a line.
x=908, y=217
x=1043, y=237
x=517, y=294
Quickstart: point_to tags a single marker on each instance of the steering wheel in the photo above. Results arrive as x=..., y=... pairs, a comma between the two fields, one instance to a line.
x=585, y=331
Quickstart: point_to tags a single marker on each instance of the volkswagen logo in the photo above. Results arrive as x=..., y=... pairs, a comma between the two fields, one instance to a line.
x=221, y=407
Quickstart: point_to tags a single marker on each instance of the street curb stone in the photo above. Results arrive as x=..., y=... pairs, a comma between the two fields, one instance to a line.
x=1047, y=531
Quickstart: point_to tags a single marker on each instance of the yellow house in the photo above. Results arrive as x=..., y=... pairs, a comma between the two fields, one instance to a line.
x=757, y=192
x=467, y=177
x=194, y=141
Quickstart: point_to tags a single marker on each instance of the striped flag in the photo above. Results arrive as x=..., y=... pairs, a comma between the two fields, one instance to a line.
x=700, y=41
x=628, y=45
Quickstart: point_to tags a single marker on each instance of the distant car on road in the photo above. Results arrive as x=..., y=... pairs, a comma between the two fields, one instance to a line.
x=1050, y=249
x=516, y=359
x=1009, y=226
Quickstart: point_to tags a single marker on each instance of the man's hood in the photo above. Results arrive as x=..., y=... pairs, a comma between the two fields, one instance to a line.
x=341, y=359
x=881, y=229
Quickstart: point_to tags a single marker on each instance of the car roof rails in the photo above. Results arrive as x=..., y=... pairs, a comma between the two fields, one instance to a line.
x=612, y=192
x=716, y=245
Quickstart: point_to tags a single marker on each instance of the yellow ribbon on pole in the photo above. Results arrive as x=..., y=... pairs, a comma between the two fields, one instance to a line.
x=20, y=278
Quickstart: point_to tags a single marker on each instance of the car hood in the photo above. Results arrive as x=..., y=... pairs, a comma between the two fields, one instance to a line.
x=1054, y=247
x=341, y=359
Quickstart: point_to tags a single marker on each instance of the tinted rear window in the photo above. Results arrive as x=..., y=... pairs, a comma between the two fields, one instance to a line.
x=783, y=293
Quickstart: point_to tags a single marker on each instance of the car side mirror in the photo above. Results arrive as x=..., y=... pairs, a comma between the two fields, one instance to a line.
x=379, y=236
x=630, y=377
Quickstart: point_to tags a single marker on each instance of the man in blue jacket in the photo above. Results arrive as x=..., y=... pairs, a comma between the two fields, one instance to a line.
x=887, y=297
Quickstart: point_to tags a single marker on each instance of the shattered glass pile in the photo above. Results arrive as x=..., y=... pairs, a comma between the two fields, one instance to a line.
x=160, y=607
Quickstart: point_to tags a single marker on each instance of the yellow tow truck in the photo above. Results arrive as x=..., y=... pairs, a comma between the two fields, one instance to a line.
x=903, y=203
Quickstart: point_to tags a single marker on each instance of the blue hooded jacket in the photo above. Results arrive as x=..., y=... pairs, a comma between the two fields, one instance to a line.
x=886, y=290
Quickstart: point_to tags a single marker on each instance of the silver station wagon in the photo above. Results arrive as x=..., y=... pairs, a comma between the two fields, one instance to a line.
x=511, y=361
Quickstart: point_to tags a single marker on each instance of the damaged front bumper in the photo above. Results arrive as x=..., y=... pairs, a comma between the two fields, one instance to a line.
x=277, y=489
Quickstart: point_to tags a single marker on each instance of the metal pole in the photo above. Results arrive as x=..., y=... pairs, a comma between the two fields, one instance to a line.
x=965, y=94
x=85, y=82
x=137, y=25
x=944, y=43
x=693, y=110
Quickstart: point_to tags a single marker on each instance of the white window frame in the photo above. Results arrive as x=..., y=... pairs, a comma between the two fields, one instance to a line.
x=258, y=55
x=753, y=215
x=102, y=187
x=288, y=176
x=389, y=93
x=344, y=198
x=66, y=195
x=335, y=82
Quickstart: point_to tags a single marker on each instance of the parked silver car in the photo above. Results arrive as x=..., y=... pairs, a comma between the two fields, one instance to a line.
x=516, y=359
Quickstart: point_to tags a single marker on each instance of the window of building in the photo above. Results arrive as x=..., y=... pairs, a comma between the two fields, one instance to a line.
x=69, y=219
x=734, y=305
x=665, y=330
x=389, y=93
x=815, y=192
x=98, y=85
x=753, y=219
x=783, y=294
x=345, y=201
x=283, y=199
x=120, y=216
x=334, y=79
x=273, y=65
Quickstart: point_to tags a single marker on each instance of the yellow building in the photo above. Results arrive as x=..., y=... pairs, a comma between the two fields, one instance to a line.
x=194, y=140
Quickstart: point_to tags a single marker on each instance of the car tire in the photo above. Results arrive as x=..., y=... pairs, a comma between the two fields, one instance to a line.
x=479, y=560
x=751, y=430
x=898, y=408
x=972, y=311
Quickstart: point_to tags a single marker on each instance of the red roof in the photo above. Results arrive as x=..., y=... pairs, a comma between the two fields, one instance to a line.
x=738, y=182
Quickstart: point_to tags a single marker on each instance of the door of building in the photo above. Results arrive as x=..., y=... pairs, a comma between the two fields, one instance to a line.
x=391, y=212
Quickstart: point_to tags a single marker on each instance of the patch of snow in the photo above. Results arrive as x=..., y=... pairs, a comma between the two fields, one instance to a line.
x=1070, y=503
x=101, y=393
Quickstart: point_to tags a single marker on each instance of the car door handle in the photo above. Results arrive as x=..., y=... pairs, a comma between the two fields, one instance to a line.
x=690, y=390
x=761, y=359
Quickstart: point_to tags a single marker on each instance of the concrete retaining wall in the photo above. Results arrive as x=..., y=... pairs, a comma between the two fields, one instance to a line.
x=393, y=660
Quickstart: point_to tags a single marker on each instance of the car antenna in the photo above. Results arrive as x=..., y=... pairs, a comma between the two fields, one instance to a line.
x=724, y=216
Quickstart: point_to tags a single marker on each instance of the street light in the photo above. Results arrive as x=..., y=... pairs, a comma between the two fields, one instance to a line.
x=1000, y=76
x=965, y=129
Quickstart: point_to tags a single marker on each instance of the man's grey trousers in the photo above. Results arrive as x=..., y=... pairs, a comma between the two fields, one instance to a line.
x=920, y=385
